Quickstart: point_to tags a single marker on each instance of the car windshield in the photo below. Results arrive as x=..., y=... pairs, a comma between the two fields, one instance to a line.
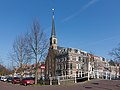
x=28, y=79
x=9, y=77
x=16, y=78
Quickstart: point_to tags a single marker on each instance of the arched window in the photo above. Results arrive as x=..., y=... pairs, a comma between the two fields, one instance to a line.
x=54, y=41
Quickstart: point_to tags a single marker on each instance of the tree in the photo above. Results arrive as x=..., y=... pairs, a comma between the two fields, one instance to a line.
x=115, y=53
x=20, y=52
x=4, y=70
x=38, y=45
x=112, y=63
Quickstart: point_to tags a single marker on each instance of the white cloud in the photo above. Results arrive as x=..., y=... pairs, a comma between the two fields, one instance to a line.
x=83, y=8
x=89, y=4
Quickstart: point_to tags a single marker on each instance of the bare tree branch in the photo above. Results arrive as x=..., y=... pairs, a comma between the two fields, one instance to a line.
x=21, y=53
x=38, y=44
x=115, y=53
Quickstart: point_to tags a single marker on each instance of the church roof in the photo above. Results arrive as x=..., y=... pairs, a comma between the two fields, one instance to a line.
x=53, y=26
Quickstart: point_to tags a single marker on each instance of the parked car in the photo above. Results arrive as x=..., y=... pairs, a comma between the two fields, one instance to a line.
x=16, y=80
x=28, y=81
x=3, y=78
x=9, y=79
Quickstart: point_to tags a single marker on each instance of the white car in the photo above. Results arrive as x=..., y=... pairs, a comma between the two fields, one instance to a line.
x=3, y=78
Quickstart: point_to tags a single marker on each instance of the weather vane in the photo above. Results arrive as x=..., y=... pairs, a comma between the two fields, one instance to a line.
x=53, y=10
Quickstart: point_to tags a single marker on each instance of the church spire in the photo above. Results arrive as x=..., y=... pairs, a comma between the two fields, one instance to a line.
x=53, y=39
x=53, y=25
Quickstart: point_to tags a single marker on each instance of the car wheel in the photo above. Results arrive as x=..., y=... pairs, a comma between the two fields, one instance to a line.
x=25, y=84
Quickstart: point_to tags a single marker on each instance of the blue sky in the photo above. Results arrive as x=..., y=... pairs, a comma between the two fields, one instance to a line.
x=90, y=25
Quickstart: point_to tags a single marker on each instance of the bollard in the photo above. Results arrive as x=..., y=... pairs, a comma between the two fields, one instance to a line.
x=50, y=80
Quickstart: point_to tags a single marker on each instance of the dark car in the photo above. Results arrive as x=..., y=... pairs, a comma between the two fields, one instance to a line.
x=9, y=79
x=28, y=81
x=16, y=80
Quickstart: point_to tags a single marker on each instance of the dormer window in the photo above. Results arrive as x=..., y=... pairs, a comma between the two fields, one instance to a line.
x=76, y=51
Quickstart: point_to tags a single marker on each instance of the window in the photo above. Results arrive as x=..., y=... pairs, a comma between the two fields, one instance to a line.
x=76, y=58
x=66, y=73
x=79, y=58
x=65, y=59
x=76, y=51
x=60, y=66
x=66, y=66
x=61, y=60
x=76, y=66
x=84, y=60
x=63, y=73
x=71, y=58
x=70, y=65
x=79, y=66
x=54, y=41
x=70, y=50
x=63, y=66
x=57, y=66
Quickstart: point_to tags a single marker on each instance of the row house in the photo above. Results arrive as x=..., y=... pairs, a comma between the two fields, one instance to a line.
x=29, y=70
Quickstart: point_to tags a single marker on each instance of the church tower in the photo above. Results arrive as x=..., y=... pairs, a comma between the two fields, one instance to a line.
x=53, y=39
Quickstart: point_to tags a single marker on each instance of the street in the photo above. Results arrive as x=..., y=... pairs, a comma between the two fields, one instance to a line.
x=88, y=85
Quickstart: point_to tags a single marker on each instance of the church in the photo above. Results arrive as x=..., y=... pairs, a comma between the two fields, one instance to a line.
x=70, y=62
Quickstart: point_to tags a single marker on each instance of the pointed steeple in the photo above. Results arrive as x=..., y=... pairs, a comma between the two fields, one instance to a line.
x=53, y=39
x=53, y=26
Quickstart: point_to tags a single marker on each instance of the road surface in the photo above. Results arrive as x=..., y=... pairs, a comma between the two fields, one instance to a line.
x=88, y=85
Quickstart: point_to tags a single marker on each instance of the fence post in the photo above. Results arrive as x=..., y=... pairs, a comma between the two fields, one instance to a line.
x=75, y=78
x=58, y=80
x=81, y=72
x=106, y=74
x=110, y=75
x=50, y=80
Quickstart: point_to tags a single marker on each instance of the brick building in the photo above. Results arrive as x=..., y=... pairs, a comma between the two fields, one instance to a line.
x=71, y=62
x=63, y=61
